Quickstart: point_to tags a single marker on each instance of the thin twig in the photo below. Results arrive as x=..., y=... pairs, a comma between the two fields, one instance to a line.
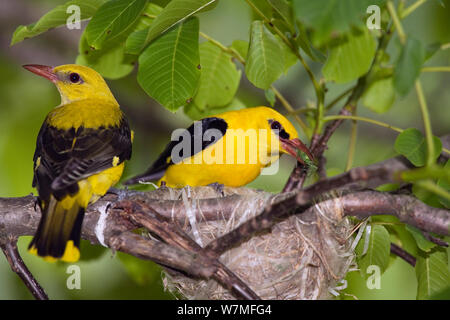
x=9, y=248
x=401, y=253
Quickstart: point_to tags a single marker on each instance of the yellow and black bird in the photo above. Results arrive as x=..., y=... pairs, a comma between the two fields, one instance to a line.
x=227, y=149
x=80, y=153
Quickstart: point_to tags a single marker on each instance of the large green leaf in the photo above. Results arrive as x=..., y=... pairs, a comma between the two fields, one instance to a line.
x=137, y=38
x=265, y=58
x=432, y=273
x=377, y=245
x=175, y=12
x=411, y=143
x=113, y=19
x=327, y=16
x=219, y=78
x=351, y=57
x=408, y=66
x=169, y=66
x=55, y=18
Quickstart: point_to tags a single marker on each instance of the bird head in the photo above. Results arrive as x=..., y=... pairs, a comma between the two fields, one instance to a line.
x=283, y=130
x=74, y=82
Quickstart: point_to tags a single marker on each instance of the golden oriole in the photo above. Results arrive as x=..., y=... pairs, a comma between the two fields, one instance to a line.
x=229, y=149
x=80, y=153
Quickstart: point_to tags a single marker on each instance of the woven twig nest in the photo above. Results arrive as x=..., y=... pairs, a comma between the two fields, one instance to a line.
x=302, y=257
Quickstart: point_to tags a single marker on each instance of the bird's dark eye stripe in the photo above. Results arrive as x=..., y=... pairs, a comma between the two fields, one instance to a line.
x=74, y=77
x=283, y=134
x=275, y=125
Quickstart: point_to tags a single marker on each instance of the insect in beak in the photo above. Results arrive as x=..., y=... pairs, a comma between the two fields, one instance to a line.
x=291, y=147
x=43, y=71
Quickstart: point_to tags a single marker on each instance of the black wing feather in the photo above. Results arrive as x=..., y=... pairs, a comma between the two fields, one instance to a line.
x=68, y=156
x=159, y=167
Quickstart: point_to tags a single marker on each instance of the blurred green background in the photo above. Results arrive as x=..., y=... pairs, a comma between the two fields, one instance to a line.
x=26, y=99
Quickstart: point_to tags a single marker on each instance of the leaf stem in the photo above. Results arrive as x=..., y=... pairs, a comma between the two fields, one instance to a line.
x=291, y=110
x=338, y=98
x=433, y=187
x=418, y=86
x=445, y=46
x=364, y=119
x=352, y=145
x=411, y=8
x=426, y=122
x=436, y=69
x=376, y=122
x=224, y=48
x=397, y=23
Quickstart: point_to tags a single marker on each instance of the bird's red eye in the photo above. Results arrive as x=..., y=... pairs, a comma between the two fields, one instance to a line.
x=74, y=77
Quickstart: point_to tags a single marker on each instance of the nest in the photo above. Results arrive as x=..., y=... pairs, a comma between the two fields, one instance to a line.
x=302, y=257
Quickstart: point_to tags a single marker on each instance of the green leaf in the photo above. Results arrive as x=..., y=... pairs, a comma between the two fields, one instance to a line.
x=261, y=7
x=431, y=49
x=304, y=43
x=270, y=96
x=175, y=12
x=169, y=66
x=219, y=78
x=380, y=95
x=241, y=47
x=350, y=58
x=411, y=144
x=399, y=234
x=143, y=272
x=111, y=62
x=284, y=9
x=265, y=59
x=442, y=295
x=378, y=247
x=426, y=196
x=290, y=58
x=432, y=273
x=90, y=252
x=407, y=69
x=195, y=113
x=113, y=19
x=137, y=38
x=327, y=16
x=443, y=183
x=55, y=18
x=421, y=242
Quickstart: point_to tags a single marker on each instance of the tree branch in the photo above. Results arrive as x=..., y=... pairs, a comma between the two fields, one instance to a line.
x=9, y=248
x=110, y=220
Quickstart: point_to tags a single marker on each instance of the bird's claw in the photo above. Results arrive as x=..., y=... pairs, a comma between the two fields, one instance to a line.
x=218, y=187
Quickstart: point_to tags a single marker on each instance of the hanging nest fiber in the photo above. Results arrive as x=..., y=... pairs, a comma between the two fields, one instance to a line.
x=302, y=257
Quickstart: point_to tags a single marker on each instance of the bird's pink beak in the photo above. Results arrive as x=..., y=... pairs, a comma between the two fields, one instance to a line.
x=291, y=147
x=43, y=71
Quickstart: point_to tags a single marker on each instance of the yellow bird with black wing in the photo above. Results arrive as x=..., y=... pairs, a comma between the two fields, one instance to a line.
x=229, y=149
x=80, y=153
